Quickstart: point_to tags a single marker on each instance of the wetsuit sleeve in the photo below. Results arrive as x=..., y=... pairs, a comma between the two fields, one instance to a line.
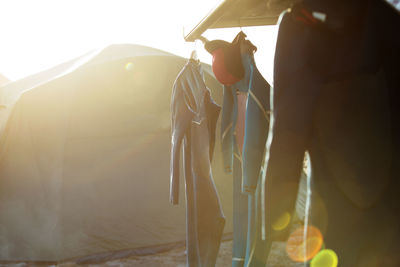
x=181, y=116
x=256, y=132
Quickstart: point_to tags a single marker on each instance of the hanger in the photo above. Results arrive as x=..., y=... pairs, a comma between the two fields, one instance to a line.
x=241, y=29
x=202, y=39
x=193, y=54
x=242, y=37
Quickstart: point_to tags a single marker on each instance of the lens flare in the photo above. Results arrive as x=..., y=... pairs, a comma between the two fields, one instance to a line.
x=282, y=222
x=304, y=243
x=129, y=66
x=325, y=258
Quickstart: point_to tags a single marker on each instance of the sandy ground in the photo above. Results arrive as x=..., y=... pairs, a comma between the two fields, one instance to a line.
x=177, y=258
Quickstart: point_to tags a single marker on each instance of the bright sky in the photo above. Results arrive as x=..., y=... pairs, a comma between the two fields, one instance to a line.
x=38, y=34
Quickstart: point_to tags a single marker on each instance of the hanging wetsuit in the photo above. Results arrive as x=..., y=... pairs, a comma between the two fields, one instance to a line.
x=194, y=118
x=331, y=99
x=244, y=154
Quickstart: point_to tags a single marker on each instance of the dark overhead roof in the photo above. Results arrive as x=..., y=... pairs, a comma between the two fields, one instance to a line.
x=236, y=13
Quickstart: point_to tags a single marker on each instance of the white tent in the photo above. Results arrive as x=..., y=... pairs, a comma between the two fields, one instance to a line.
x=3, y=80
x=84, y=160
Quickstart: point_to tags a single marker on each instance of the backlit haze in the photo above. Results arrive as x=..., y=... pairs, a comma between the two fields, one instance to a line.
x=38, y=34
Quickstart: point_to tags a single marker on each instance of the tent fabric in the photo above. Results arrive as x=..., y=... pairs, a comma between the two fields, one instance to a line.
x=3, y=80
x=84, y=159
x=10, y=92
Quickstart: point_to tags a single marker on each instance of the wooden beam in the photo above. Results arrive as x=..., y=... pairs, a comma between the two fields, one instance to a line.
x=209, y=20
x=245, y=22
